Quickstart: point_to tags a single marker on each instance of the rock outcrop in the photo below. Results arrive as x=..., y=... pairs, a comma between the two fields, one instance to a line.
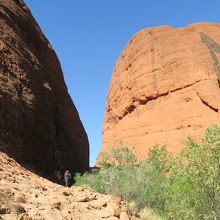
x=27, y=196
x=164, y=88
x=39, y=124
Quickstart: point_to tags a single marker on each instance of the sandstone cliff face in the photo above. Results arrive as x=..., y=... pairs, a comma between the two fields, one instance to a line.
x=39, y=124
x=164, y=88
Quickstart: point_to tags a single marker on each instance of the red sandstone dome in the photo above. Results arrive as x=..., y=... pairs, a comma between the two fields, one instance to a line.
x=164, y=88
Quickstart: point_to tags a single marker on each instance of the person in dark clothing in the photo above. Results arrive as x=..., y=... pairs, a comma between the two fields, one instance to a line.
x=67, y=178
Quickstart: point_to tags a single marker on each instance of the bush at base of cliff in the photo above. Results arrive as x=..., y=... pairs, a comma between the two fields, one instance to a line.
x=184, y=187
x=194, y=188
x=139, y=181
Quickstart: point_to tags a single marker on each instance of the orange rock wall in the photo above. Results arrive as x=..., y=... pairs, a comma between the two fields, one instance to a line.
x=164, y=88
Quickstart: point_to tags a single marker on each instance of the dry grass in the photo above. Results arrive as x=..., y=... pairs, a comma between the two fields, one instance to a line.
x=132, y=208
x=147, y=214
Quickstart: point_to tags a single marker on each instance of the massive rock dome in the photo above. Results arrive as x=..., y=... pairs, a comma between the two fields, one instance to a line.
x=164, y=88
x=39, y=124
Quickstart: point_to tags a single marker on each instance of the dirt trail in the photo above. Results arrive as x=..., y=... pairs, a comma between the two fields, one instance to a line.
x=27, y=196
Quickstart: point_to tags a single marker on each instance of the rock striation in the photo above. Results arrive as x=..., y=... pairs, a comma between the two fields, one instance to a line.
x=164, y=88
x=39, y=124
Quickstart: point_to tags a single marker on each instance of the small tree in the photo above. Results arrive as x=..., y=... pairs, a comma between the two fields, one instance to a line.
x=118, y=155
x=155, y=169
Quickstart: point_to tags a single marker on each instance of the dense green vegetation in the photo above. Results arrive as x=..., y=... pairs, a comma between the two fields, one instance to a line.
x=186, y=186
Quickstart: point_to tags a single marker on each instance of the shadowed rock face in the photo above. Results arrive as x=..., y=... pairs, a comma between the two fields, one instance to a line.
x=39, y=124
x=164, y=88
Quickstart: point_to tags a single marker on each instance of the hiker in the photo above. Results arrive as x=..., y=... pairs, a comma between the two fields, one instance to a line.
x=67, y=177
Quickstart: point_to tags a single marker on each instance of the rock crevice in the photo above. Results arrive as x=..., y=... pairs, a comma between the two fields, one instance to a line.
x=148, y=99
x=207, y=104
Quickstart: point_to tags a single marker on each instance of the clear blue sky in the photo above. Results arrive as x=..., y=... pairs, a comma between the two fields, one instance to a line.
x=89, y=35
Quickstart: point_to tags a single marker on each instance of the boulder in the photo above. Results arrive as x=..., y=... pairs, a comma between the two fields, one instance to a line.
x=124, y=216
x=39, y=124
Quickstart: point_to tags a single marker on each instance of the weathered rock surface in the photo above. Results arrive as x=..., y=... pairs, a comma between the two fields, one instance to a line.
x=164, y=88
x=39, y=124
x=26, y=196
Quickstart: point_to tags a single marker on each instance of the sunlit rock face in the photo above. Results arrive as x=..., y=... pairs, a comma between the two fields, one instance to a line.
x=39, y=124
x=164, y=88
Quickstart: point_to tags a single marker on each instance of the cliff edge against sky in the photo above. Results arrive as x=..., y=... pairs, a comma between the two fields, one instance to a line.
x=39, y=124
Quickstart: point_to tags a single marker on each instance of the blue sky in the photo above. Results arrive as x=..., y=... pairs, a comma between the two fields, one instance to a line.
x=89, y=35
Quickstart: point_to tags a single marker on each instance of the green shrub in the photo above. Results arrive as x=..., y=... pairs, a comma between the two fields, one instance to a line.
x=194, y=189
x=184, y=187
x=123, y=175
